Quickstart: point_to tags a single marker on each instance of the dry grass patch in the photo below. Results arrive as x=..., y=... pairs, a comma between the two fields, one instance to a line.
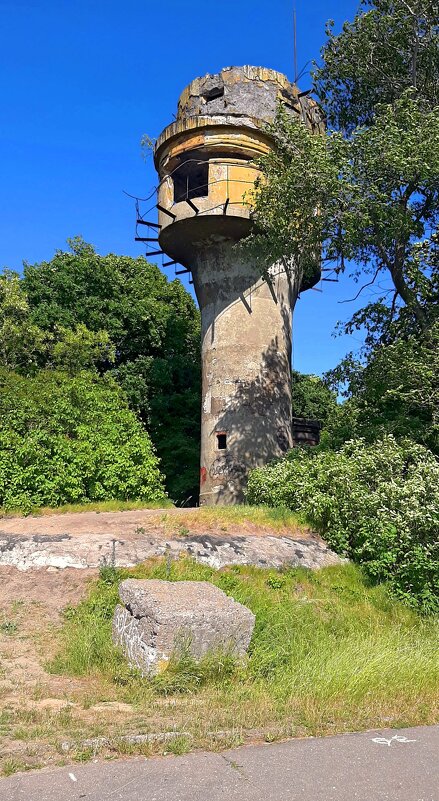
x=224, y=519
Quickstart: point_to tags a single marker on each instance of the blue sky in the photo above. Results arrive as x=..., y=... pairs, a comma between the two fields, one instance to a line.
x=83, y=81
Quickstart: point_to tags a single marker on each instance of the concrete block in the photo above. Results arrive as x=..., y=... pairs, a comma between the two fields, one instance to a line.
x=158, y=618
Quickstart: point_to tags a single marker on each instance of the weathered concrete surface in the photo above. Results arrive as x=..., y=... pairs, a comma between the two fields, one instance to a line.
x=94, y=551
x=243, y=91
x=351, y=767
x=207, y=164
x=160, y=617
x=246, y=375
x=42, y=547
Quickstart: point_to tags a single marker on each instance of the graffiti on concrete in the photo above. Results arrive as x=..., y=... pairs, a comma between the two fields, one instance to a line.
x=226, y=467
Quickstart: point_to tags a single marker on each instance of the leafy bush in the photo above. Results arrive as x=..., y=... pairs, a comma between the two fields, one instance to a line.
x=378, y=504
x=67, y=439
x=154, y=326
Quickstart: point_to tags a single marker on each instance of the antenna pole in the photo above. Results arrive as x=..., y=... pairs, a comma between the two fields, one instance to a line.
x=295, y=42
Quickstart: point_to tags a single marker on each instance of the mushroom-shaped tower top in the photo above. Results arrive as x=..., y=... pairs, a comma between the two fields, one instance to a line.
x=245, y=91
x=207, y=158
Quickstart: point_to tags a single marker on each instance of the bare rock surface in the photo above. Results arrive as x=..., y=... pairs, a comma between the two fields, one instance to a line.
x=89, y=540
x=160, y=617
x=94, y=551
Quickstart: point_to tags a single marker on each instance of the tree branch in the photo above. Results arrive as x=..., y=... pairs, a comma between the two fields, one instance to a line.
x=369, y=283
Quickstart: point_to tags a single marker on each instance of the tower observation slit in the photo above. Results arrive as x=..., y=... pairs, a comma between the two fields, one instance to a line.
x=191, y=178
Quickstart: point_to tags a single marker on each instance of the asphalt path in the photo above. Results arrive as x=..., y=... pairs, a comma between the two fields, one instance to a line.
x=389, y=765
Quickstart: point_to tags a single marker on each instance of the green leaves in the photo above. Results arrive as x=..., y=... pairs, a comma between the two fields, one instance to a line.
x=81, y=349
x=132, y=300
x=122, y=314
x=23, y=345
x=70, y=439
x=311, y=398
x=300, y=180
x=378, y=504
x=395, y=392
x=367, y=198
x=165, y=392
x=371, y=198
x=391, y=46
x=368, y=190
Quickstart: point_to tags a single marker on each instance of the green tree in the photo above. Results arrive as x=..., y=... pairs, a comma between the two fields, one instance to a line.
x=23, y=345
x=70, y=439
x=80, y=349
x=376, y=193
x=367, y=191
x=312, y=398
x=375, y=503
x=395, y=392
x=154, y=327
x=165, y=392
x=391, y=46
x=143, y=313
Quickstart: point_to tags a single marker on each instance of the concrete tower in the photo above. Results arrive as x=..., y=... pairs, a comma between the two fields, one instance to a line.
x=206, y=164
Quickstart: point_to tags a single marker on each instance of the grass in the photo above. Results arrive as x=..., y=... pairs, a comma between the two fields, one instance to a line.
x=179, y=745
x=9, y=627
x=98, y=506
x=329, y=654
x=225, y=516
x=11, y=766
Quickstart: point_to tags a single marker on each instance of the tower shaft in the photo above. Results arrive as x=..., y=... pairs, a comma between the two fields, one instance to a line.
x=246, y=374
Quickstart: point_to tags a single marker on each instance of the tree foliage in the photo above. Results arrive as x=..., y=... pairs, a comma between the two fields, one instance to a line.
x=125, y=313
x=395, y=392
x=77, y=349
x=165, y=393
x=371, y=198
x=312, y=398
x=142, y=312
x=366, y=195
x=26, y=347
x=23, y=345
x=391, y=46
x=69, y=439
x=367, y=191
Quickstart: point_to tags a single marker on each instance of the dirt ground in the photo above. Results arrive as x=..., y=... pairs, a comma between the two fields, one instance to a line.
x=48, y=719
x=30, y=608
x=149, y=521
